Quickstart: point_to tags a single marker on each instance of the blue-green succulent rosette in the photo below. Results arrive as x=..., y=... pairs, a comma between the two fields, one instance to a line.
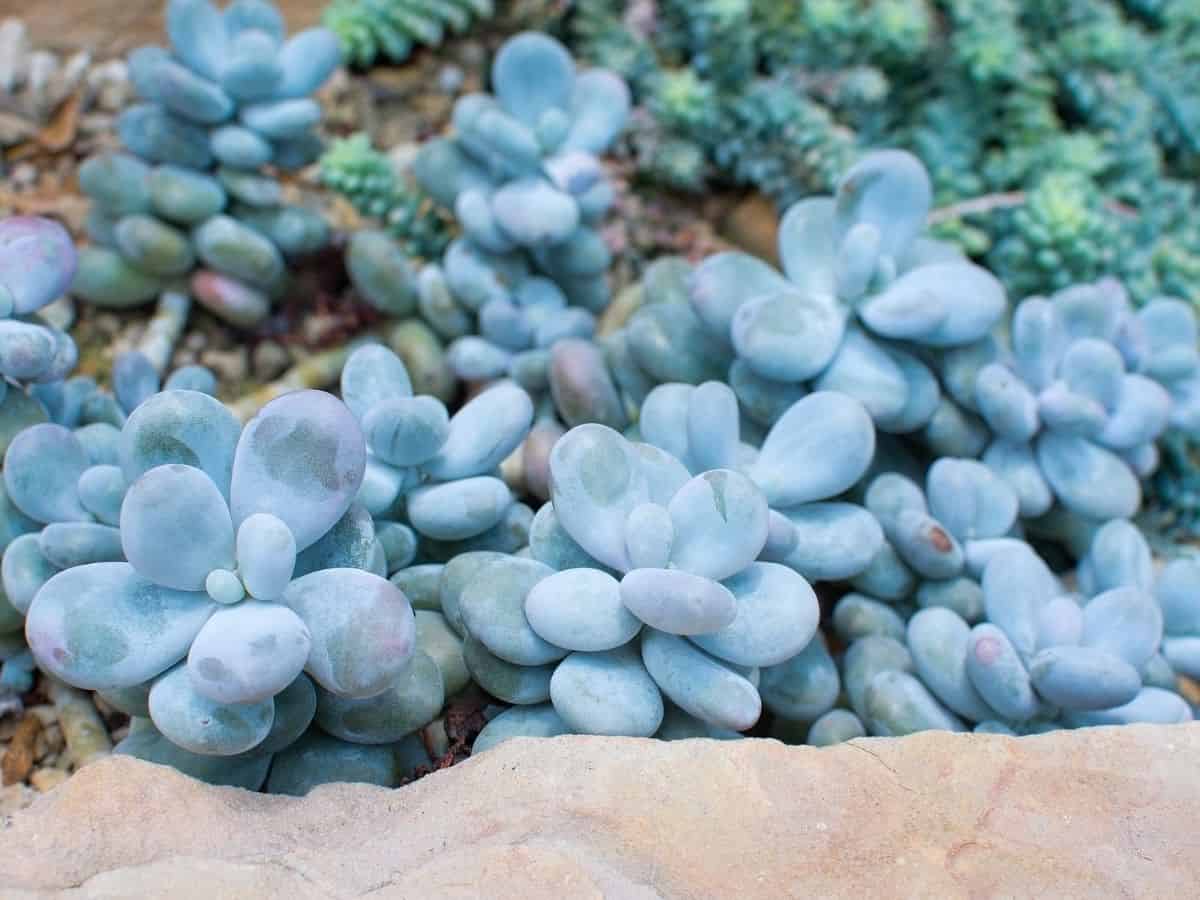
x=522, y=175
x=642, y=604
x=863, y=297
x=1078, y=395
x=238, y=579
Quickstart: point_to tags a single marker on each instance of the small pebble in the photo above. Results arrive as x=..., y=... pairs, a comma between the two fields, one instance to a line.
x=44, y=780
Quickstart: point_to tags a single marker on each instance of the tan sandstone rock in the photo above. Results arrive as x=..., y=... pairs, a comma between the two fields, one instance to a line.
x=1101, y=812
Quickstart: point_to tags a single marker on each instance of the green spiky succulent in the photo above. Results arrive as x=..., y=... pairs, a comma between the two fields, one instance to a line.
x=367, y=178
x=371, y=30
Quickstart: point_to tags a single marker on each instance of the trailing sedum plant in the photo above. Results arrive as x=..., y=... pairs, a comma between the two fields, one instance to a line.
x=188, y=205
x=390, y=29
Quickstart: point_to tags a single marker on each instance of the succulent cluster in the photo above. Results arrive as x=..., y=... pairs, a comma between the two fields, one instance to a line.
x=189, y=205
x=521, y=174
x=237, y=592
x=389, y=30
x=1080, y=117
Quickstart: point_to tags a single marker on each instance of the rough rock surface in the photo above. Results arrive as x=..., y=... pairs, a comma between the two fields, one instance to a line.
x=1103, y=812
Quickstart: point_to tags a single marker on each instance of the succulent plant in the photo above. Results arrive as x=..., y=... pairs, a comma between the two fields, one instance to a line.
x=1078, y=395
x=188, y=202
x=429, y=470
x=521, y=175
x=861, y=287
x=244, y=563
x=641, y=596
x=391, y=29
x=37, y=263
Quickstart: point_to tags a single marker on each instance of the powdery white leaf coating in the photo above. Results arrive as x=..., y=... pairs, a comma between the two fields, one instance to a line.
x=998, y=674
x=600, y=104
x=940, y=305
x=720, y=521
x=698, y=683
x=580, y=609
x=101, y=489
x=349, y=544
x=889, y=189
x=1016, y=464
x=777, y=616
x=607, y=693
x=803, y=687
x=969, y=499
x=266, y=555
x=483, y=433
x=832, y=541
x=248, y=652
x=818, y=449
x=532, y=212
x=1083, y=678
x=1118, y=557
x=37, y=262
x=1175, y=591
x=596, y=480
x=531, y=74
x=1151, y=705
x=1140, y=415
x=649, y=536
x=721, y=283
x=362, y=628
x=493, y=608
x=865, y=659
x=807, y=246
x=865, y=370
x=896, y=703
x=373, y=374
x=857, y=615
x=519, y=685
x=1088, y=479
x=459, y=509
x=939, y=639
x=1016, y=585
x=411, y=701
x=67, y=544
x=788, y=336
x=175, y=527
x=198, y=36
x=295, y=707
x=406, y=431
x=42, y=467
x=104, y=626
x=201, y=725
x=1125, y=622
x=678, y=602
x=520, y=721
x=300, y=459
x=24, y=571
x=1059, y=622
x=185, y=427
x=307, y=60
